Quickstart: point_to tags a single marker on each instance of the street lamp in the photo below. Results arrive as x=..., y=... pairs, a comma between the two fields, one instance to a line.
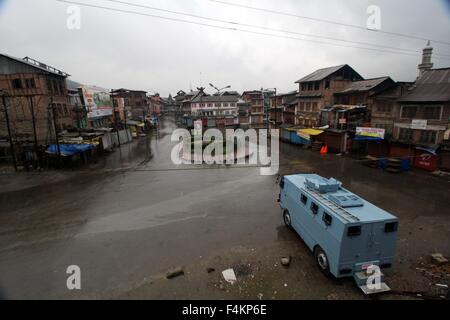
x=218, y=90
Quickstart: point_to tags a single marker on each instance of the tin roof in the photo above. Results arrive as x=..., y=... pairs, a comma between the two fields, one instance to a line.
x=364, y=85
x=323, y=73
x=367, y=212
x=38, y=65
x=432, y=86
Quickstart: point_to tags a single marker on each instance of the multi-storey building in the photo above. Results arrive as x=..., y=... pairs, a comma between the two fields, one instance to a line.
x=219, y=109
x=155, y=103
x=424, y=111
x=316, y=92
x=360, y=93
x=385, y=107
x=37, y=102
x=256, y=100
x=279, y=104
x=136, y=103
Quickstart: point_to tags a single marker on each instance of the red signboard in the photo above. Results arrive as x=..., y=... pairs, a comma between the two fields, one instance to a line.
x=425, y=160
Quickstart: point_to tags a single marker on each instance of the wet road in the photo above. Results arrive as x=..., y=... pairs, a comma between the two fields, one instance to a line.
x=137, y=215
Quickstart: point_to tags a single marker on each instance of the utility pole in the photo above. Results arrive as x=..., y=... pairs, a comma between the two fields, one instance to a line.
x=33, y=119
x=116, y=116
x=52, y=107
x=11, y=143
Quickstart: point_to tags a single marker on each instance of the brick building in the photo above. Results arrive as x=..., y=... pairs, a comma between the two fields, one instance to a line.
x=278, y=105
x=385, y=108
x=37, y=102
x=424, y=113
x=360, y=93
x=316, y=91
x=155, y=103
x=256, y=100
x=136, y=103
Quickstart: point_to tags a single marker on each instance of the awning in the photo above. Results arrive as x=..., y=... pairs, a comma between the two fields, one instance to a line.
x=310, y=132
x=429, y=150
x=68, y=149
x=367, y=138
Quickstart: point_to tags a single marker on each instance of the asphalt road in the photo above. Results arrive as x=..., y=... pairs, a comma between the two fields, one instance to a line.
x=136, y=215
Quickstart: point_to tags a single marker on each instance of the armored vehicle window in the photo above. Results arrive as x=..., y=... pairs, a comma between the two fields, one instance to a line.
x=391, y=227
x=354, y=231
x=304, y=199
x=327, y=218
x=314, y=208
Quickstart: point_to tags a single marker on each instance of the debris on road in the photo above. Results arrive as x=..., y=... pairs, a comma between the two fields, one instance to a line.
x=260, y=296
x=439, y=258
x=229, y=276
x=210, y=270
x=286, y=261
x=175, y=272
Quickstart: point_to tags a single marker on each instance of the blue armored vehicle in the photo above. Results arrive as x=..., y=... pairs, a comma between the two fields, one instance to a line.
x=348, y=235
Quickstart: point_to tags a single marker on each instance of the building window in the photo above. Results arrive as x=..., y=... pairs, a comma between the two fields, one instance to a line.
x=314, y=106
x=428, y=137
x=316, y=85
x=30, y=84
x=409, y=112
x=303, y=86
x=310, y=86
x=17, y=83
x=384, y=107
x=405, y=134
x=432, y=112
x=327, y=84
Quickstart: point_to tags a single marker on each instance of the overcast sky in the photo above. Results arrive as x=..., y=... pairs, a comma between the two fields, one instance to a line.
x=114, y=49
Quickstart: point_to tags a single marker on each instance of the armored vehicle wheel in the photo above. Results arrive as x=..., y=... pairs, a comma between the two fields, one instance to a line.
x=322, y=260
x=287, y=219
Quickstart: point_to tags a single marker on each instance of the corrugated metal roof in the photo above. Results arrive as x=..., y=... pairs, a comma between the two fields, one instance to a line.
x=38, y=65
x=73, y=85
x=364, y=85
x=432, y=86
x=321, y=74
x=210, y=99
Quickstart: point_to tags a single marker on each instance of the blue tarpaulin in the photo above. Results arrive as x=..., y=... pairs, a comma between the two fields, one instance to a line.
x=69, y=149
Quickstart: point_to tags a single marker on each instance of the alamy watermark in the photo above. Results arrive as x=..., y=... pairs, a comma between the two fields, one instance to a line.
x=73, y=282
x=73, y=21
x=374, y=19
x=235, y=148
x=374, y=280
